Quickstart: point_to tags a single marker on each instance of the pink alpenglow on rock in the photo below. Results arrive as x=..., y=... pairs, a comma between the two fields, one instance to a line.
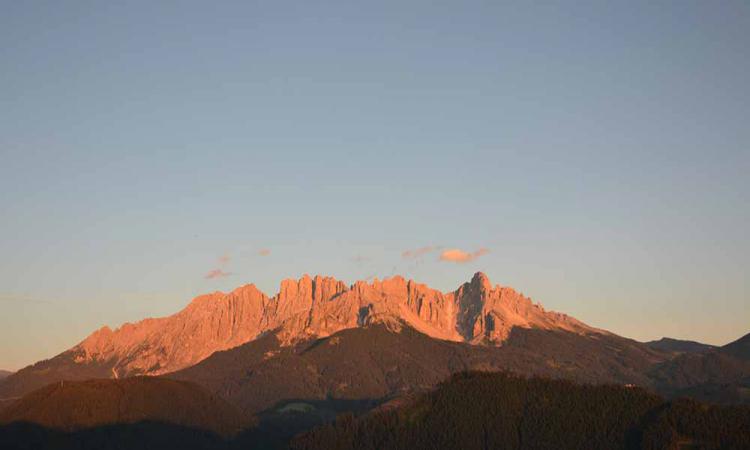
x=476, y=312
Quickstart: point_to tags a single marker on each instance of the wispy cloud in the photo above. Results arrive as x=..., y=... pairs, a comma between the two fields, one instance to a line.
x=217, y=273
x=418, y=252
x=459, y=256
x=264, y=252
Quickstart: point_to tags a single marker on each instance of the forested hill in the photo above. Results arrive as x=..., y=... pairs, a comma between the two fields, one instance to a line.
x=501, y=411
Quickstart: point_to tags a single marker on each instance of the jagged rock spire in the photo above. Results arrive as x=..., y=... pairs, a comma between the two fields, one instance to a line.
x=317, y=306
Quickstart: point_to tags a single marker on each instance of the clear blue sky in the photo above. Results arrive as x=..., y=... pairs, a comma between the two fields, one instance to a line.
x=600, y=151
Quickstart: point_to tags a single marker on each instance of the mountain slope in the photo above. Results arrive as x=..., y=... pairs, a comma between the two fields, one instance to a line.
x=476, y=313
x=77, y=405
x=68, y=365
x=468, y=411
x=739, y=348
x=721, y=374
x=678, y=345
x=379, y=361
x=481, y=411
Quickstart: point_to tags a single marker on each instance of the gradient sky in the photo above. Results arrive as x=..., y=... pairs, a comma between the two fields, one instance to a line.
x=599, y=151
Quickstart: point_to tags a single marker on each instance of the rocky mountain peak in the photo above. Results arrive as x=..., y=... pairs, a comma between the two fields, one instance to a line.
x=481, y=281
x=317, y=306
x=247, y=290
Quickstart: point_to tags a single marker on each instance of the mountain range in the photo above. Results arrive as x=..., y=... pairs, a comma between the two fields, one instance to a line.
x=319, y=348
x=476, y=313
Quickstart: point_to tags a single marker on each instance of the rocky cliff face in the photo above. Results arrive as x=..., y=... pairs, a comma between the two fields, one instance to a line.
x=476, y=312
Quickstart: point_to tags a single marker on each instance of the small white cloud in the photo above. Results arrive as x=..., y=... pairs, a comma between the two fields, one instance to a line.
x=459, y=256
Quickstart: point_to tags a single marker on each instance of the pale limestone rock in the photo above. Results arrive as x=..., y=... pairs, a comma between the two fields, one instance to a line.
x=476, y=312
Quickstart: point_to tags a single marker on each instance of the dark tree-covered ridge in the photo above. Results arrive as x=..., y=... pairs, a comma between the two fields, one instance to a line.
x=479, y=410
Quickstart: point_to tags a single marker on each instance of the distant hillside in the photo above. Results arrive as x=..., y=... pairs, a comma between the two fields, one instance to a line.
x=477, y=312
x=378, y=362
x=739, y=348
x=292, y=388
x=482, y=411
x=721, y=374
x=677, y=345
x=474, y=410
x=3, y=375
x=64, y=366
x=729, y=392
x=76, y=405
